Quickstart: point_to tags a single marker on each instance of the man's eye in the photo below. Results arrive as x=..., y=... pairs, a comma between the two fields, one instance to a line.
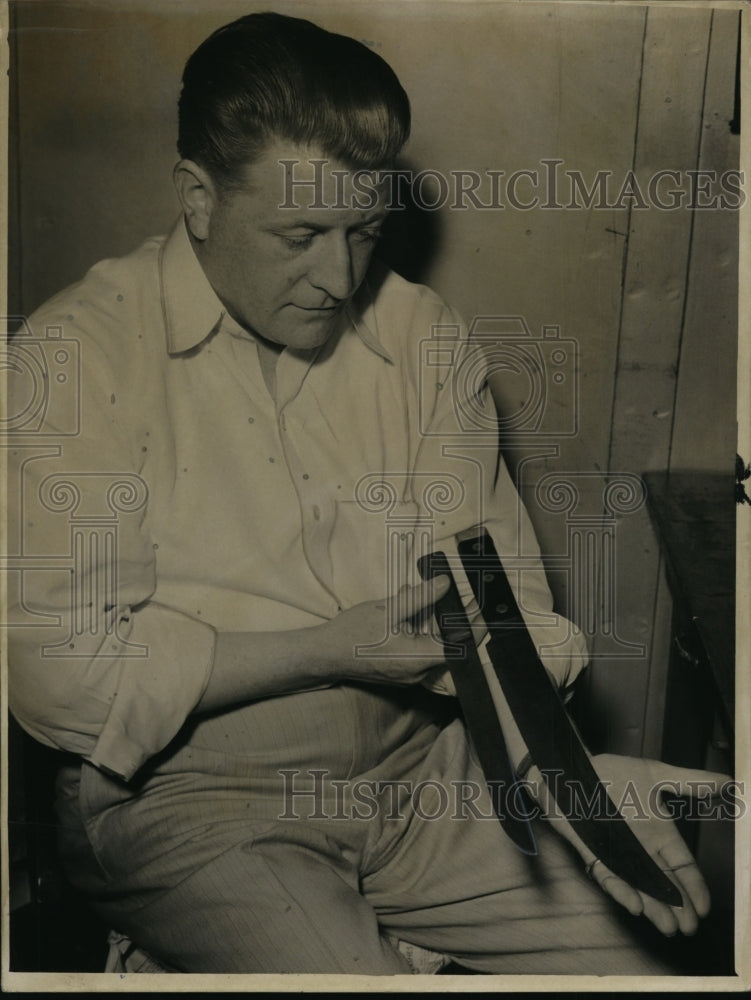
x=298, y=242
x=369, y=235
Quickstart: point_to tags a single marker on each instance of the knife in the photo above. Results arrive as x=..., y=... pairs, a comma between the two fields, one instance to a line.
x=547, y=731
x=476, y=701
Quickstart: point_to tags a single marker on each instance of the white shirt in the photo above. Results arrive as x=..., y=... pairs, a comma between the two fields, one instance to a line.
x=238, y=511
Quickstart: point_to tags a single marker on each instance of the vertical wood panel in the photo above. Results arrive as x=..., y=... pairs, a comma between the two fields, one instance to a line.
x=703, y=426
x=704, y=435
x=675, y=52
x=575, y=99
x=659, y=656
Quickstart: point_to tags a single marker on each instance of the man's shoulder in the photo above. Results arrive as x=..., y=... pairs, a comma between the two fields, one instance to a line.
x=403, y=313
x=390, y=289
x=107, y=296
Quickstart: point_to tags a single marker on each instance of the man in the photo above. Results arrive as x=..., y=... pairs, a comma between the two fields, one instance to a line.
x=233, y=667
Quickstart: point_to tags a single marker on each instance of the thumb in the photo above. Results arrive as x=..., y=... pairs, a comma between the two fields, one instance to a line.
x=687, y=781
x=411, y=600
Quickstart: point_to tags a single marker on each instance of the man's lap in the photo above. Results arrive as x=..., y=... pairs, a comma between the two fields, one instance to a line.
x=397, y=851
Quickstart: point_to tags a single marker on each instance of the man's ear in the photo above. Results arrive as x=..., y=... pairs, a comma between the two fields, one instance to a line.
x=197, y=194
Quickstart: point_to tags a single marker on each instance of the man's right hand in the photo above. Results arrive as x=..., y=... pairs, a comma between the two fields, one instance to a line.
x=374, y=641
x=378, y=641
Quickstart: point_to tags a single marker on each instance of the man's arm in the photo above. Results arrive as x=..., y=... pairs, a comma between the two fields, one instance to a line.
x=324, y=654
x=454, y=446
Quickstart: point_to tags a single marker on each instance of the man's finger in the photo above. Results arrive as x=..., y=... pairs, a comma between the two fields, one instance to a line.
x=471, y=607
x=614, y=886
x=479, y=628
x=661, y=915
x=689, y=781
x=686, y=915
x=411, y=600
x=677, y=861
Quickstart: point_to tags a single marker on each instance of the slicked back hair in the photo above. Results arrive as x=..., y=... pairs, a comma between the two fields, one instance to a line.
x=268, y=76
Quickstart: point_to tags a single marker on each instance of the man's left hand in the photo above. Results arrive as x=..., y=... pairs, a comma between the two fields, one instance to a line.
x=636, y=783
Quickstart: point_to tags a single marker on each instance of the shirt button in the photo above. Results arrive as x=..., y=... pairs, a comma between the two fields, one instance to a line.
x=305, y=475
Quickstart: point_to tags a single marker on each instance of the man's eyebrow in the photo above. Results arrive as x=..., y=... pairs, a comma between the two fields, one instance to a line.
x=295, y=224
x=376, y=217
x=307, y=223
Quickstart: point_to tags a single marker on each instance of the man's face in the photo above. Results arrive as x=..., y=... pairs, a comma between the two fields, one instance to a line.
x=286, y=272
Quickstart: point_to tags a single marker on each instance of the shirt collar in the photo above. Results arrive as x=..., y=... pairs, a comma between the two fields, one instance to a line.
x=361, y=311
x=362, y=315
x=193, y=310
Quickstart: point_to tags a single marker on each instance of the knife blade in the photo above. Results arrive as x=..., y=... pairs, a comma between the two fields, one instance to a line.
x=475, y=700
x=547, y=731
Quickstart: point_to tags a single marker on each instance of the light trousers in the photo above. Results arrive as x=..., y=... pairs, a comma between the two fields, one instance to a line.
x=295, y=835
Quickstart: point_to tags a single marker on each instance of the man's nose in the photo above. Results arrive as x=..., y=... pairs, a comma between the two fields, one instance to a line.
x=334, y=268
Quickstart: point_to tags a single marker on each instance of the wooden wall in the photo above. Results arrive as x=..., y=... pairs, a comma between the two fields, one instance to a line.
x=643, y=298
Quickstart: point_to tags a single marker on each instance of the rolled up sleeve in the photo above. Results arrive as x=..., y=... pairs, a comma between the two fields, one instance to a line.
x=460, y=447
x=153, y=694
x=96, y=666
x=125, y=702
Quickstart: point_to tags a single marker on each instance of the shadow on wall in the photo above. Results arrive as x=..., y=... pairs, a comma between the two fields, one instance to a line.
x=412, y=237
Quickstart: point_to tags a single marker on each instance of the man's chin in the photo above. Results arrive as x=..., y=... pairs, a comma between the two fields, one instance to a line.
x=313, y=331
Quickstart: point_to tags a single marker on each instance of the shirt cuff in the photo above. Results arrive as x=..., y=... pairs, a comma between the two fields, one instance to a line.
x=166, y=661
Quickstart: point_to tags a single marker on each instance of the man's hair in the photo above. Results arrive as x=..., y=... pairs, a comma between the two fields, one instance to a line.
x=268, y=76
